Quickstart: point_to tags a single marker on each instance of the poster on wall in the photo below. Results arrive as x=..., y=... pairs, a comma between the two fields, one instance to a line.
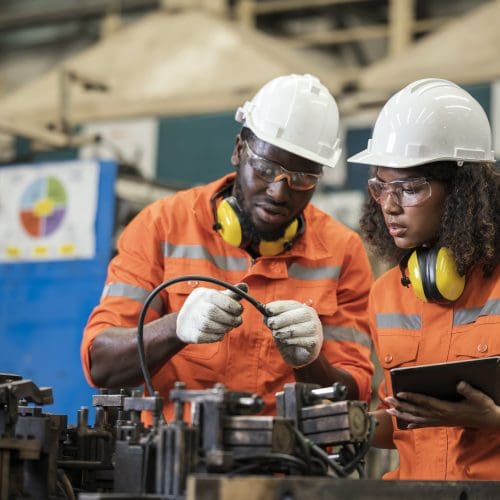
x=48, y=211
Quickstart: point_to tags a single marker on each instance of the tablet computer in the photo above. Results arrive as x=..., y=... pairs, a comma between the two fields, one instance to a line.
x=440, y=380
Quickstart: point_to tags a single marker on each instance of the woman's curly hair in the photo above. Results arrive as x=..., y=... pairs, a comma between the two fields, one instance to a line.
x=470, y=225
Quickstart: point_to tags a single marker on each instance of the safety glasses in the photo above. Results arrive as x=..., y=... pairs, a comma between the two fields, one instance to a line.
x=270, y=171
x=404, y=192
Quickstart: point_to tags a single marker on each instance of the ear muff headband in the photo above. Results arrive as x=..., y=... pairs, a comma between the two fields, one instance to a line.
x=433, y=275
x=228, y=225
x=426, y=259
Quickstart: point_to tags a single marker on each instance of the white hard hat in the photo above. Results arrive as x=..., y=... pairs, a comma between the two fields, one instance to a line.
x=296, y=113
x=429, y=120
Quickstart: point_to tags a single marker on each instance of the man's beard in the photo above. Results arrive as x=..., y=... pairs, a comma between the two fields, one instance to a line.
x=252, y=234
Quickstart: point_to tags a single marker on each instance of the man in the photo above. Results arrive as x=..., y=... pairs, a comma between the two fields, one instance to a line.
x=255, y=227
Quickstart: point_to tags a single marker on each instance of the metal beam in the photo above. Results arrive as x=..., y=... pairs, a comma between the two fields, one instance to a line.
x=273, y=6
x=89, y=9
x=339, y=36
x=401, y=17
x=50, y=138
x=248, y=10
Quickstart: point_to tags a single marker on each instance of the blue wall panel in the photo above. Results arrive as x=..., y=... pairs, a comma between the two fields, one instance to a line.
x=44, y=308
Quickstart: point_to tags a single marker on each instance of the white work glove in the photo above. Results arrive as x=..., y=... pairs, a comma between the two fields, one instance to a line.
x=208, y=314
x=297, y=331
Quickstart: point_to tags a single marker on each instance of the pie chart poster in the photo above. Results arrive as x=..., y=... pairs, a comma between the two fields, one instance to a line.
x=56, y=226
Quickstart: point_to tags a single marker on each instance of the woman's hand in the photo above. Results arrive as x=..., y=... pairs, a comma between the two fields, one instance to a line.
x=475, y=410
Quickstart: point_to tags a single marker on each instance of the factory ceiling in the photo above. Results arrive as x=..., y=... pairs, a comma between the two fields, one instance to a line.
x=192, y=62
x=465, y=50
x=152, y=68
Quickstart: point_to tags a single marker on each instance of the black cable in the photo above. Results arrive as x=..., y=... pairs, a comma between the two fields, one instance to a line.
x=319, y=465
x=266, y=462
x=323, y=456
x=304, y=446
x=140, y=325
x=320, y=453
x=64, y=485
x=363, y=449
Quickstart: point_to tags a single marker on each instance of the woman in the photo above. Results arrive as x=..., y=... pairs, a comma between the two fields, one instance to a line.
x=434, y=213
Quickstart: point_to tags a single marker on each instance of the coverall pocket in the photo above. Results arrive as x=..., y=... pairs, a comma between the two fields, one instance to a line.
x=480, y=341
x=178, y=293
x=201, y=351
x=397, y=350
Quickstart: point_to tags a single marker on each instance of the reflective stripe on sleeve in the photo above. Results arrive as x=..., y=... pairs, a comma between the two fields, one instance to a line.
x=465, y=316
x=313, y=273
x=199, y=252
x=395, y=320
x=133, y=292
x=343, y=333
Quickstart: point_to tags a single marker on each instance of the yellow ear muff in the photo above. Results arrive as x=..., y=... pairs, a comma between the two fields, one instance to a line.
x=277, y=246
x=433, y=275
x=229, y=223
x=449, y=283
x=416, y=277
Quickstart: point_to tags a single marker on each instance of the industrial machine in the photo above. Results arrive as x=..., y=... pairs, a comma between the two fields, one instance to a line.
x=315, y=433
x=316, y=439
x=216, y=447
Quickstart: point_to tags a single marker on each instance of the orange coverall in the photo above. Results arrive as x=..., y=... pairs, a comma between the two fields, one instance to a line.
x=406, y=332
x=327, y=268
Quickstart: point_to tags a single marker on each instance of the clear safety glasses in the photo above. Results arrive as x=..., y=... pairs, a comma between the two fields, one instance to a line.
x=405, y=192
x=270, y=171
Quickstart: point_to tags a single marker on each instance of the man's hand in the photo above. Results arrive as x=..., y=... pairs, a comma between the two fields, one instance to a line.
x=297, y=331
x=207, y=315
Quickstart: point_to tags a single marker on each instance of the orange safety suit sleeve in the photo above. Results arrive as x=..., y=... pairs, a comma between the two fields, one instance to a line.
x=138, y=261
x=347, y=340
